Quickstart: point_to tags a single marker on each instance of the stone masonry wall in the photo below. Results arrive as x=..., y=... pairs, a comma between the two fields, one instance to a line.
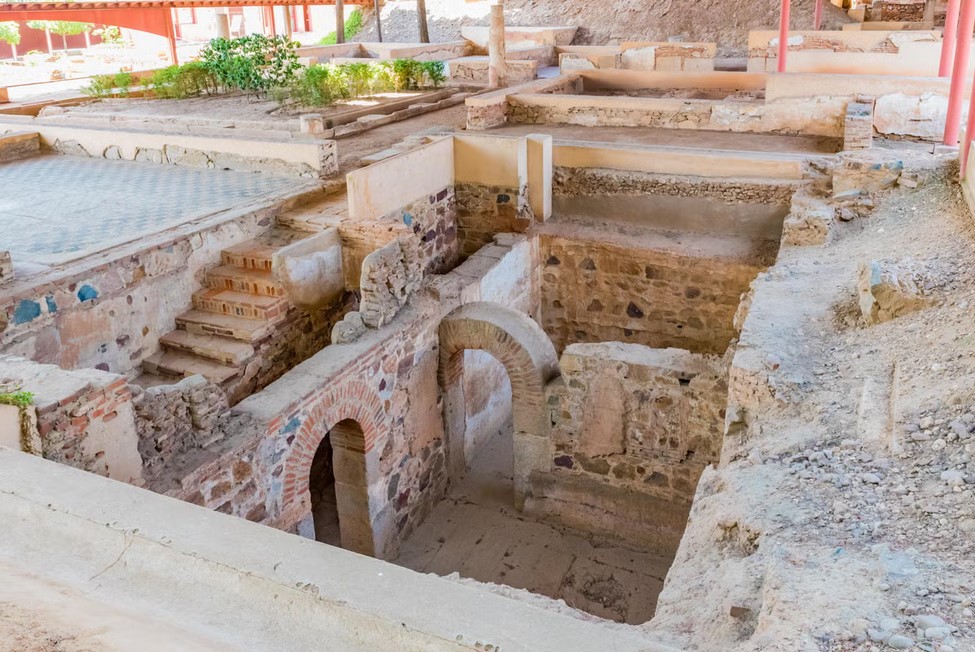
x=85, y=417
x=633, y=430
x=594, y=291
x=818, y=116
x=112, y=315
x=171, y=418
x=387, y=382
x=485, y=211
x=602, y=181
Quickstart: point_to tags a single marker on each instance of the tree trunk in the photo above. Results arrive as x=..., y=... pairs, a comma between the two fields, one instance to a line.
x=421, y=16
x=87, y=39
x=339, y=21
x=379, y=21
x=64, y=42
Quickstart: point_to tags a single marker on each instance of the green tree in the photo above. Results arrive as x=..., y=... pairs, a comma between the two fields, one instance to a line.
x=10, y=34
x=63, y=28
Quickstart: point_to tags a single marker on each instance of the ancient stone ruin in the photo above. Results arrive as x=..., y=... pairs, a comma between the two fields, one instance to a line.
x=562, y=345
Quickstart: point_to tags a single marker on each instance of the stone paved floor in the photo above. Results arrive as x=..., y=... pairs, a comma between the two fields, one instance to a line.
x=55, y=208
x=477, y=532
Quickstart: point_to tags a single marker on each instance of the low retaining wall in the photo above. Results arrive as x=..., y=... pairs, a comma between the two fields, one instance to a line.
x=636, y=55
x=19, y=144
x=849, y=52
x=386, y=51
x=305, y=158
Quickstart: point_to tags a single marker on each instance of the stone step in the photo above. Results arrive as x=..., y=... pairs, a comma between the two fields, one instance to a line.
x=257, y=252
x=213, y=347
x=201, y=322
x=175, y=363
x=240, y=279
x=240, y=304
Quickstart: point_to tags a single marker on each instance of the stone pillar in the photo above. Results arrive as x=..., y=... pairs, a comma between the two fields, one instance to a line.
x=497, y=67
x=223, y=23
x=311, y=123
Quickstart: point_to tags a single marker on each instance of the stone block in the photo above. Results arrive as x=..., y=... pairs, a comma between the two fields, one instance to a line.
x=888, y=290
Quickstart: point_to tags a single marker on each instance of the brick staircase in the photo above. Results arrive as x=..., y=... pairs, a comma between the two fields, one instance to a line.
x=240, y=306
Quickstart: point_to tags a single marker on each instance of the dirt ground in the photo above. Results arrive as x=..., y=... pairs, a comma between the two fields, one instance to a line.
x=477, y=533
x=842, y=515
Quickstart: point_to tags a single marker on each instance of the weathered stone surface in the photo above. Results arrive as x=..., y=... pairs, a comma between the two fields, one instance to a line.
x=351, y=328
x=898, y=114
x=890, y=289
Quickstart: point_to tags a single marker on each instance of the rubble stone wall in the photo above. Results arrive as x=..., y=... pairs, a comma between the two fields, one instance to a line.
x=595, y=291
x=485, y=211
x=633, y=430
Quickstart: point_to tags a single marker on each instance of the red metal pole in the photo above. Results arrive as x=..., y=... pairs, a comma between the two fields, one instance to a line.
x=959, y=75
x=784, y=33
x=818, y=16
x=948, y=39
x=967, y=145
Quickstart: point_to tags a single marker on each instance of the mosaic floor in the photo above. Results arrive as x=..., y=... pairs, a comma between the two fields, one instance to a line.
x=57, y=208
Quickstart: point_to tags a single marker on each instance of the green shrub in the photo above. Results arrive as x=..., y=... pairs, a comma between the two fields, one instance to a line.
x=179, y=82
x=435, y=73
x=319, y=85
x=252, y=64
x=353, y=25
x=358, y=78
x=407, y=74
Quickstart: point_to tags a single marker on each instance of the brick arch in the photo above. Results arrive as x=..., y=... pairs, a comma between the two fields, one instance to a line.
x=528, y=356
x=351, y=416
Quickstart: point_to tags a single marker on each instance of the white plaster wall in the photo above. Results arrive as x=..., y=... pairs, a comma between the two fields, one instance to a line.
x=399, y=180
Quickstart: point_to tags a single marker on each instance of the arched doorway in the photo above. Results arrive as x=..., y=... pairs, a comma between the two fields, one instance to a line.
x=324, y=505
x=527, y=355
x=339, y=489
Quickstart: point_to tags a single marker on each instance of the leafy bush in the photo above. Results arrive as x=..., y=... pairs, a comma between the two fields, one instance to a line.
x=253, y=64
x=353, y=25
x=322, y=84
x=435, y=73
x=359, y=78
x=319, y=85
x=117, y=85
x=179, y=82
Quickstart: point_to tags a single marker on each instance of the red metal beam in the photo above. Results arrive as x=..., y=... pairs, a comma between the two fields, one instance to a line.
x=10, y=11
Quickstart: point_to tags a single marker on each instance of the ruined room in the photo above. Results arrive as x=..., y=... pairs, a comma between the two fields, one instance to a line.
x=492, y=325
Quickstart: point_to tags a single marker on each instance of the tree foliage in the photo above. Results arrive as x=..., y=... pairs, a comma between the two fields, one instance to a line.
x=253, y=64
x=10, y=33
